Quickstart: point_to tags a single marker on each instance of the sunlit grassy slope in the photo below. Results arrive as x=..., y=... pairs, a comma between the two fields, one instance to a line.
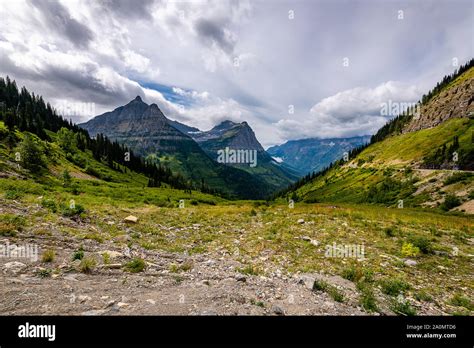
x=394, y=158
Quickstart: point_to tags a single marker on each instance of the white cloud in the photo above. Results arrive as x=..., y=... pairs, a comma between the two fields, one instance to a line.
x=352, y=112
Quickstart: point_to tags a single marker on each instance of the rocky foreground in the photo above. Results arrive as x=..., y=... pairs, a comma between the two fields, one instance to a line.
x=92, y=275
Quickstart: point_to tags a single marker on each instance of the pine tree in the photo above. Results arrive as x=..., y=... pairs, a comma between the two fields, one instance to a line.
x=30, y=154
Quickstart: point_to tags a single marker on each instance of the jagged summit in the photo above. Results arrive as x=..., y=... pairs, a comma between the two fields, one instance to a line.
x=139, y=125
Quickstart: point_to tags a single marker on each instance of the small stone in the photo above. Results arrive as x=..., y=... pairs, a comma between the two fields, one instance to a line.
x=306, y=239
x=277, y=310
x=110, y=304
x=83, y=298
x=13, y=267
x=131, y=219
x=112, y=253
x=300, y=221
x=409, y=262
x=70, y=277
x=314, y=242
x=241, y=278
x=122, y=304
x=150, y=301
x=307, y=281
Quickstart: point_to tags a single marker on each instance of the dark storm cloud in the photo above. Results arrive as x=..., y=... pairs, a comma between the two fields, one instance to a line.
x=214, y=32
x=59, y=19
x=75, y=85
x=139, y=9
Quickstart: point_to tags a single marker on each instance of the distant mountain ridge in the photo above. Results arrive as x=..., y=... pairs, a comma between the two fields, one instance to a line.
x=314, y=154
x=240, y=136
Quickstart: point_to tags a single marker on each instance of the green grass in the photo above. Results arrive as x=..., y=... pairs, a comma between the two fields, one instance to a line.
x=321, y=285
x=87, y=265
x=184, y=267
x=462, y=301
x=135, y=266
x=78, y=255
x=458, y=177
x=403, y=307
x=394, y=287
x=48, y=256
x=367, y=298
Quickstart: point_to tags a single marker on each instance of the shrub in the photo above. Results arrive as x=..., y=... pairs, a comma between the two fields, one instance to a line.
x=423, y=296
x=250, y=270
x=457, y=177
x=409, y=250
x=422, y=243
x=367, y=300
x=350, y=274
x=13, y=194
x=7, y=229
x=69, y=211
x=67, y=179
x=394, y=287
x=78, y=255
x=320, y=285
x=135, y=266
x=450, y=202
x=355, y=274
x=389, y=231
x=48, y=256
x=403, y=307
x=257, y=303
x=44, y=273
x=10, y=224
x=335, y=294
x=207, y=201
x=92, y=171
x=87, y=265
x=193, y=202
x=106, y=258
x=49, y=204
x=79, y=160
x=462, y=301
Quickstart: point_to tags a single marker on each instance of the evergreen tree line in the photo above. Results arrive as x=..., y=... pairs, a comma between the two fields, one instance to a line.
x=451, y=156
x=28, y=112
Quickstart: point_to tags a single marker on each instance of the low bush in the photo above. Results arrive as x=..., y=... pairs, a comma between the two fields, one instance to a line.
x=135, y=266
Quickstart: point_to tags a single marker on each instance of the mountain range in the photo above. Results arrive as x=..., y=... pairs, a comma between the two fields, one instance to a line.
x=194, y=153
x=148, y=132
x=313, y=154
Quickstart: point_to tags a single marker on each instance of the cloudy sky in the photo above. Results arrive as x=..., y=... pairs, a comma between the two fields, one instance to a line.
x=291, y=69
